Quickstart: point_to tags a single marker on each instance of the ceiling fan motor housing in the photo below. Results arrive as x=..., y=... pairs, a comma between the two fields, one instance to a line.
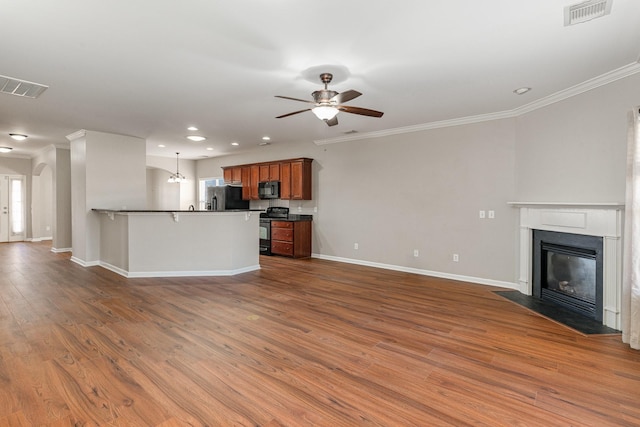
x=323, y=96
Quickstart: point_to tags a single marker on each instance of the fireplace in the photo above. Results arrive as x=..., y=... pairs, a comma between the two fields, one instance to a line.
x=599, y=221
x=567, y=271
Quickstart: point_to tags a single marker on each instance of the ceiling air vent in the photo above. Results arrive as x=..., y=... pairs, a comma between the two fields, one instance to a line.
x=21, y=87
x=586, y=11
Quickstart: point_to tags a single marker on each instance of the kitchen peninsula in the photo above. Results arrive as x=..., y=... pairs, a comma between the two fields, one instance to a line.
x=146, y=243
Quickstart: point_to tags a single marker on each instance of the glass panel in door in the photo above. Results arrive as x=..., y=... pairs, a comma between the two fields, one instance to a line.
x=12, y=208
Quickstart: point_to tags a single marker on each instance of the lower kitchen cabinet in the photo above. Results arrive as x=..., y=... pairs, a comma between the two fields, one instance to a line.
x=291, y=238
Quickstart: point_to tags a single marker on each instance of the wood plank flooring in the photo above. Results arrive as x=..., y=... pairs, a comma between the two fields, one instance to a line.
x=298, y=343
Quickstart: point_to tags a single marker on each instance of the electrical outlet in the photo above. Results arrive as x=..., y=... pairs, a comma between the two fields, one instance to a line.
x=299, y=208
x=355, y=246
x=481, y=214
x=456, y=258
x=491, y=214
x=416, y=253
x=315, y=209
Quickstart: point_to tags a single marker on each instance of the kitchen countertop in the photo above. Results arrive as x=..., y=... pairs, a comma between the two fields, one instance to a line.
x=174, y=210
x=291, y=217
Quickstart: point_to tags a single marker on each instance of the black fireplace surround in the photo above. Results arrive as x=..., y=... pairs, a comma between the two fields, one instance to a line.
x=567, y=271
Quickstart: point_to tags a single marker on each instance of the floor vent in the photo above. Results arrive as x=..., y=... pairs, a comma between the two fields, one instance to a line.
x=586, y=11
x=19, y=87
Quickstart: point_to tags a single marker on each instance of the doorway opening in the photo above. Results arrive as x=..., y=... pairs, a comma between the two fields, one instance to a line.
x=12, y=208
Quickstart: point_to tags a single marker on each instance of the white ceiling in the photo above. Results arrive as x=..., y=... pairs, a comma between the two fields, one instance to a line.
x=151, y=68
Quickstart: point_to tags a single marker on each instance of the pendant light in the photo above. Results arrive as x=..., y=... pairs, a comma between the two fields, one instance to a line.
x=177, y=177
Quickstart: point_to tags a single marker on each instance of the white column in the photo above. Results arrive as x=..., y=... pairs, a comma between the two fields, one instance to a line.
x=107, y=171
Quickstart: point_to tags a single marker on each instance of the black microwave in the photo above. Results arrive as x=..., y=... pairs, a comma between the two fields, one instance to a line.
x=269, y=190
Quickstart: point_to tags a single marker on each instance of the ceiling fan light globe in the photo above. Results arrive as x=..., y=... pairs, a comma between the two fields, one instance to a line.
x=325, y=113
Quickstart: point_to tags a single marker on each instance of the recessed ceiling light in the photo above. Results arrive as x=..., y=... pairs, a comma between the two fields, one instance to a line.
x=210, y=148
x=5, y=149
x=192, y=128
x=196, y=138
x=235, y=144
x=266, y=138
x=18, y=136
x=522, y=90
x=161, y=145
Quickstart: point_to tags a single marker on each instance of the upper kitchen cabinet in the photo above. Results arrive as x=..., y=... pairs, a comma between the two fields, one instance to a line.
x=295, y=179
x=246, y=182
x=232, y=175
x=294, y=176
x=270, y=172
x=253, y=182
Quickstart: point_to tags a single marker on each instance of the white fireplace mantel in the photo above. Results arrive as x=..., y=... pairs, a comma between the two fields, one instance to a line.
x=593, y=219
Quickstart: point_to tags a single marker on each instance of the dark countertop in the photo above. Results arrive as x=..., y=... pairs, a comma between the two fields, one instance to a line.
x=173, y=210
x=291, y=217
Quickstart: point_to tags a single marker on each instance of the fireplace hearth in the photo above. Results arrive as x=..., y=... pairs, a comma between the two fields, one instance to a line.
x=567, y=271
x=601, y=220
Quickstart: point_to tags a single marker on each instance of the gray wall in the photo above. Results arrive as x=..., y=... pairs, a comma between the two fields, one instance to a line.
x=575, y=150
x=163, y=195
x=58, y=160
x=423, y=190
x=42, y=204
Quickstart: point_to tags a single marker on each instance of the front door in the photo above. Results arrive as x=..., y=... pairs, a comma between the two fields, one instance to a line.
x=12, y=209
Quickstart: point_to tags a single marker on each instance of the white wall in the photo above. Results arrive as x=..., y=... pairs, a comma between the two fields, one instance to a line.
x=162, y=195
x=165, y=196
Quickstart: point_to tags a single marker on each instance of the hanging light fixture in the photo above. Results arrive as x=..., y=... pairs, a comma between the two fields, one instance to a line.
x=177, y=177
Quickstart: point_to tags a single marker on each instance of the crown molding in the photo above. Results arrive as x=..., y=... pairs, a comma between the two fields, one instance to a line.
x=78, y=134
x=15, y=156
x=602, y=80
x=418, y=128
x=585, y=86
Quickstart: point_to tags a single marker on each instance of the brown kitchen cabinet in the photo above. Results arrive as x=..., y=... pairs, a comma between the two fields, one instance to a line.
x=295, y=179
x=294, y=176
x=232, y=174
x=253, y=182
x=227, y=174
x=270, y=172
x=291, y=238
x=246, y=179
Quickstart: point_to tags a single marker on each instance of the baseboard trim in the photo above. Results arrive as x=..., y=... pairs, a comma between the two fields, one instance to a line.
x=39, y=239
x=150, y=274
x=84, y=263
x=60, y=250
x=441, y=275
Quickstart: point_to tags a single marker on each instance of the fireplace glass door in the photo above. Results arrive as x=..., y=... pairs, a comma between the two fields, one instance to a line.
x=567, y=271
x=570, y=274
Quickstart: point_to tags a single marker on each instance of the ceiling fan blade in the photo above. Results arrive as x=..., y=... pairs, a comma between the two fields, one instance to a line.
x=361, y=111
x=291, y=114
x=294, y=99
x=332, y=122
x=345, y=96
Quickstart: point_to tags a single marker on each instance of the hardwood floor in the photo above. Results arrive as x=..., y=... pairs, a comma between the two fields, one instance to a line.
x=298, y=343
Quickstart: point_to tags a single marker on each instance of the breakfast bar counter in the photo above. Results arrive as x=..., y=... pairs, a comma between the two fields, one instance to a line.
x=147, y=243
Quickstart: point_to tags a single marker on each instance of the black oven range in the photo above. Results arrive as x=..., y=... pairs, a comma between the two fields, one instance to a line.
x=265, y=226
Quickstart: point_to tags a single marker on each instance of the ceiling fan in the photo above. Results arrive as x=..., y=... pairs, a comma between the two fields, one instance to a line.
x=329, y=102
